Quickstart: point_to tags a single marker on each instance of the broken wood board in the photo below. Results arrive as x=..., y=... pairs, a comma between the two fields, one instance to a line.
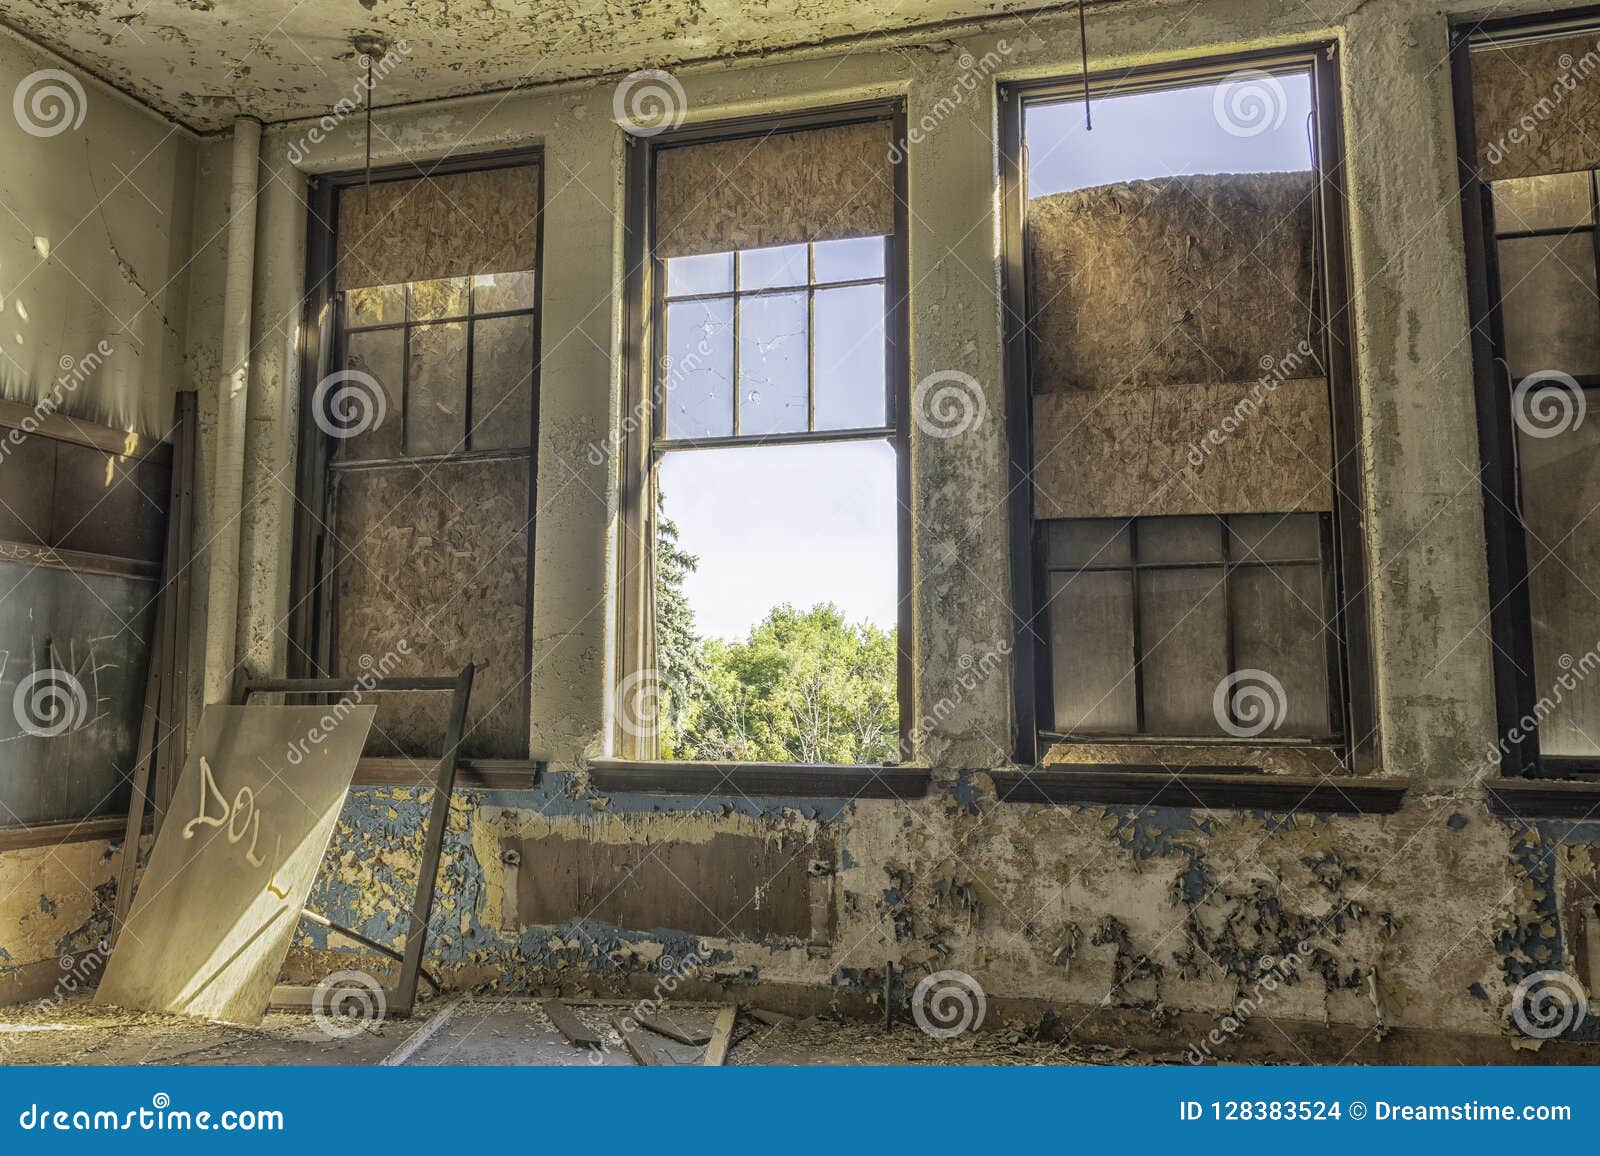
x=639, y=1045
x=721, y=1037
x=233, y=866
x=570, y=1025
x=414, y=1042
x=662, y=1026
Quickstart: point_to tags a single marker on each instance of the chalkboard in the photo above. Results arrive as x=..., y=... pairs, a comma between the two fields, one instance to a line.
x=74, y=650
x=233, y=866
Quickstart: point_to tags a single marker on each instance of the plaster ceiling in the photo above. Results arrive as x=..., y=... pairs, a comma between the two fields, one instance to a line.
x=204, y=61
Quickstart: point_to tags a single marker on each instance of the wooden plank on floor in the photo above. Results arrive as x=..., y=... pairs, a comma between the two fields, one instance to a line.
x=410, y=1045
x=662, y=1026
x=570, y=1025
x=639, y=1045
x=721, y=1037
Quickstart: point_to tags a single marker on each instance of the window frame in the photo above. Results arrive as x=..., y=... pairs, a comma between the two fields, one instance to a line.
x=1031, y=681
x=312, y=617
x=644, y=330
x=1510, y=607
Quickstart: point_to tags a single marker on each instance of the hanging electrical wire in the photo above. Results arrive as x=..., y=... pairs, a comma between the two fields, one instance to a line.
x=1083, y=47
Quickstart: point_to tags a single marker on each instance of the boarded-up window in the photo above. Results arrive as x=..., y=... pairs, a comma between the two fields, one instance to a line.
x=1182, y=453
x=431, y=414
x=1550, y=334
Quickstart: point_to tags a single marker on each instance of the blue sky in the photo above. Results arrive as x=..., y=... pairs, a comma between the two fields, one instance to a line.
x=809, y=524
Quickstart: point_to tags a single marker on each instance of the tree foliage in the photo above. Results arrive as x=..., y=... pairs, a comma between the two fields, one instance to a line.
x=803, y=686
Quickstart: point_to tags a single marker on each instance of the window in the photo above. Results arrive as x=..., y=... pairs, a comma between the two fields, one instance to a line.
x=1181, y=602
x=1531, y=199
x=422, y=438
x=764, y=557
x=1183, y=443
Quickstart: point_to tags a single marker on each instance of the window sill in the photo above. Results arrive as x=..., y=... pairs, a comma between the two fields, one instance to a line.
x=1207, y=757
x=60, y=834
x=1227, y=791
x=797, y=780
x=1511, y=798
x=471, y=774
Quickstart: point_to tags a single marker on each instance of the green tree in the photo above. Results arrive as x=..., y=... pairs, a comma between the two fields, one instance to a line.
x=679, y=666
x=805, y=686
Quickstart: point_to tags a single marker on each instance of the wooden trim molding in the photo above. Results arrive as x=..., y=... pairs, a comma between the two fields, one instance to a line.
x=78, y=561
x=475, y=774
x=766, y=779
x=1120, y=786
x=61, y=428
x=57, y=834
x=1542, y=799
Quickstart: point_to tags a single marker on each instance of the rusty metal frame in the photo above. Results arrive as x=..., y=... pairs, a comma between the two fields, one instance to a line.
x=401, y=998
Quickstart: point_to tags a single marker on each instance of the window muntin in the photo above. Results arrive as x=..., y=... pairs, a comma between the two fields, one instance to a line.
x=776, y=341
x=454, y=358
x=1157, y=611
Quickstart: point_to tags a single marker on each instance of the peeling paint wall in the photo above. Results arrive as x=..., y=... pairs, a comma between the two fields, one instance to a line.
x=94, y=247
x=55, y=909
x=1424, y=919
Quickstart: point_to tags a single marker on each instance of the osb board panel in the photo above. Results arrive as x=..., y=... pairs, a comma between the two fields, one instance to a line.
x=1268, y=760
x=820, y=184
x=436, y=557
x=233, y=866
x=1118, y=453
x=1536, y=107
x=442, y=226
x=749, y=884
x=1186, y=279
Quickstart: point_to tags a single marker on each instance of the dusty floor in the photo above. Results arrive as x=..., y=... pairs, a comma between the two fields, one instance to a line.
x=498, y=1030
